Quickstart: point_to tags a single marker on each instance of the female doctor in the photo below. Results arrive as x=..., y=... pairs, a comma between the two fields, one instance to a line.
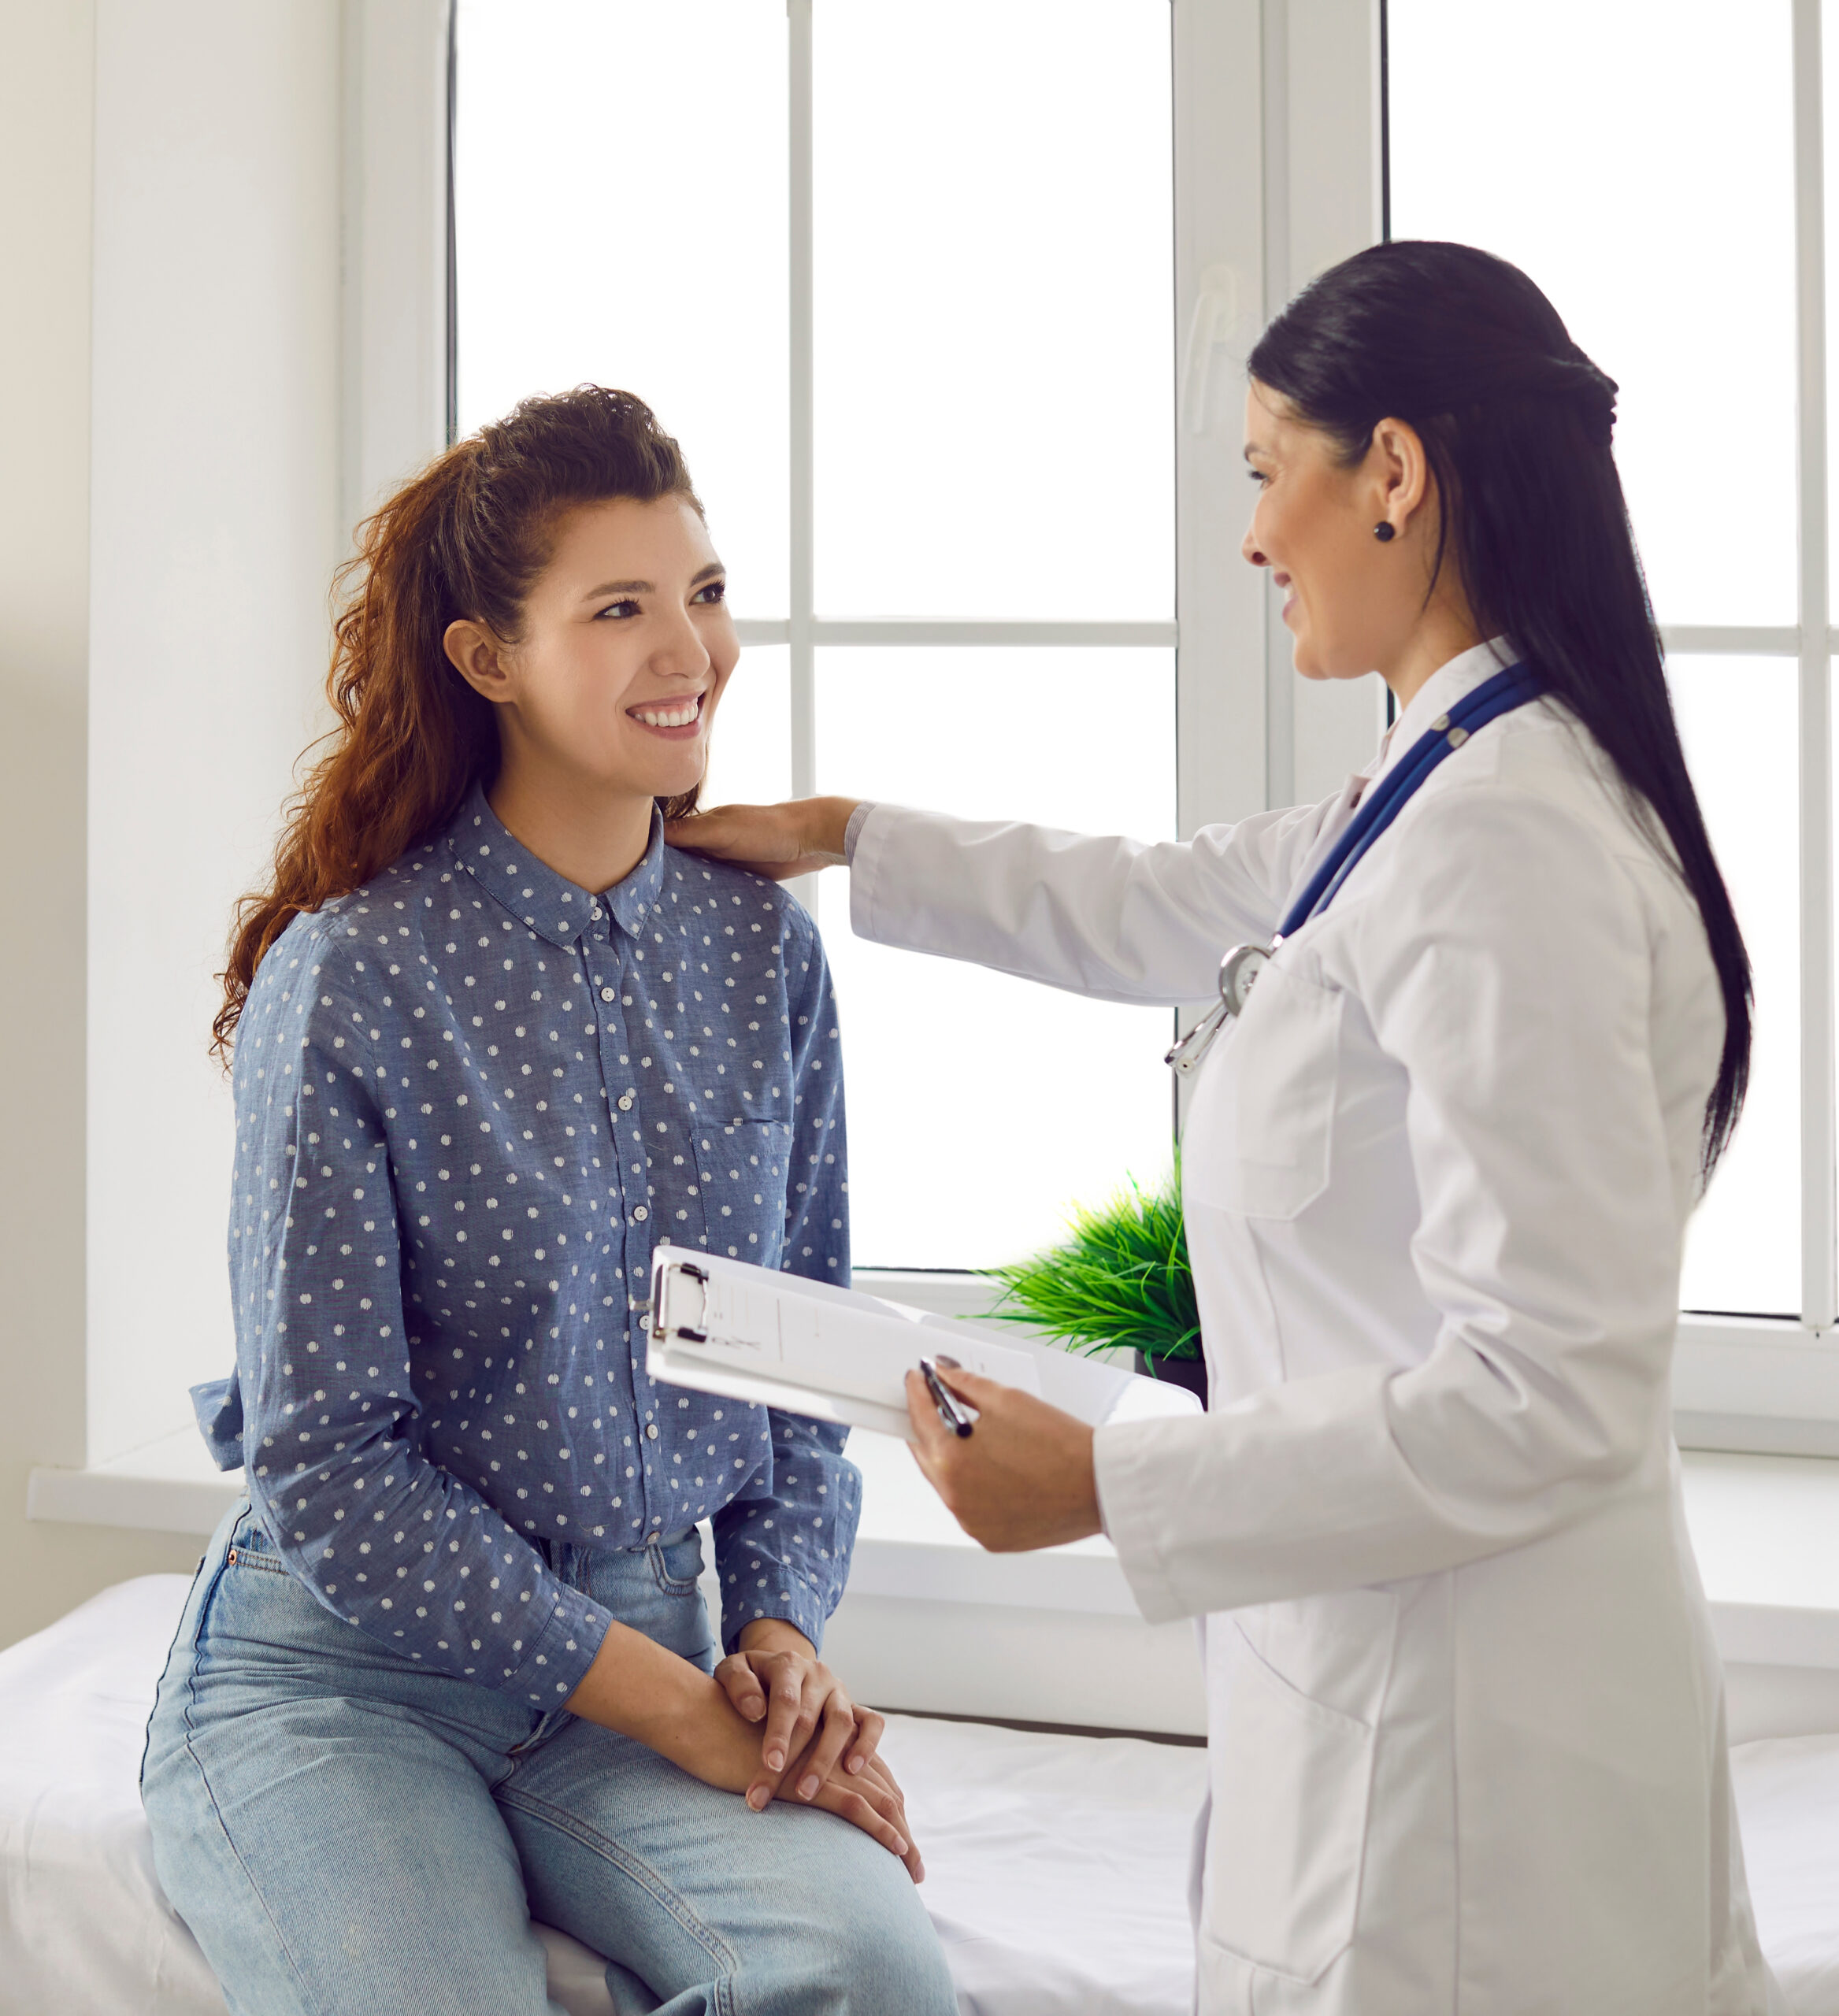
x=1467, y=1748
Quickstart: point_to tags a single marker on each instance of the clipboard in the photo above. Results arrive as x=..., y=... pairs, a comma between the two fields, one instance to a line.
x=835, y=1354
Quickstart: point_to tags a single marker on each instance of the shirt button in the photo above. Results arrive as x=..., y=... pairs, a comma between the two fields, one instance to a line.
x=641, y=1213
x=651, y=1432
x=625, y=1101
x=607, y=994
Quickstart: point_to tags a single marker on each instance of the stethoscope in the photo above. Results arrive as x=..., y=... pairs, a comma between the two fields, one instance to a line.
x=1240, y=968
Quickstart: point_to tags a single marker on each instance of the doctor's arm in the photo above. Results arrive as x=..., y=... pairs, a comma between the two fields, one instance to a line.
x=1107, y=917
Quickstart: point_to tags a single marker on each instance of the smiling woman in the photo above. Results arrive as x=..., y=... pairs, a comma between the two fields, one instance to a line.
x=494, y=560
x=493, y=1036
x=607, y=690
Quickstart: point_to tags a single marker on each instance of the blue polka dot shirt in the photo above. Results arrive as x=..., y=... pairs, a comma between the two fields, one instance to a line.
x=469, y=1097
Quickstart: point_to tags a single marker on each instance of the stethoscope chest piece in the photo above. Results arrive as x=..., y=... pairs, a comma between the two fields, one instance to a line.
x=1238, y=970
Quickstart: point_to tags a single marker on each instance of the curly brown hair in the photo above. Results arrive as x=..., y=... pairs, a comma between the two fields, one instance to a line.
x=465, y=539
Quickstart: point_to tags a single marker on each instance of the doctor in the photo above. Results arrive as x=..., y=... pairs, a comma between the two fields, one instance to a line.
x=1467, y=1748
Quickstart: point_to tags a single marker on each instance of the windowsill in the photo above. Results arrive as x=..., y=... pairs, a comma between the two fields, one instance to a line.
x=1761, y=1526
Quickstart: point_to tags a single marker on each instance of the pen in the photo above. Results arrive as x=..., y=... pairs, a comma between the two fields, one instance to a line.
x=941, y=1399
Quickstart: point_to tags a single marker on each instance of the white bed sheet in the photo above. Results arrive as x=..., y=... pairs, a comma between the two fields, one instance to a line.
x=1056, y=1865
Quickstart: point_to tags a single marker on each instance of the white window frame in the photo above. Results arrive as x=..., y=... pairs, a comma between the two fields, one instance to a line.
x=1276, y=160
x=1259, y=104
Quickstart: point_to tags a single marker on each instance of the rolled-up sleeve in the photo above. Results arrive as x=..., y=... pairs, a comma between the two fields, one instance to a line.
x=332, y=1441
x=783, y=1544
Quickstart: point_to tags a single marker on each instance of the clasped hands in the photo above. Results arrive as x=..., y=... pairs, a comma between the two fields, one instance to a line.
x=816, y=1745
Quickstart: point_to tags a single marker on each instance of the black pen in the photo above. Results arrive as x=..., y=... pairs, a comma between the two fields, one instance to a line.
x=941, y=1399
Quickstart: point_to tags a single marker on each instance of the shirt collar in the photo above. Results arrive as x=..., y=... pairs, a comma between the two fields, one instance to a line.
x=552, y=907
x=1440, y=692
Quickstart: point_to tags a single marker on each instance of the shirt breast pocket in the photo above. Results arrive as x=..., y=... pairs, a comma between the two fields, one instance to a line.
x=1260, y=1130
x=743, y=1170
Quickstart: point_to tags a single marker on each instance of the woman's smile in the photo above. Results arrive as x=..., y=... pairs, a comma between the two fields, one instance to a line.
x=676, y=719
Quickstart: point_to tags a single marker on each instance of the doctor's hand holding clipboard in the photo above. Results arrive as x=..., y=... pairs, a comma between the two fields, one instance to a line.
x=1479, y=1031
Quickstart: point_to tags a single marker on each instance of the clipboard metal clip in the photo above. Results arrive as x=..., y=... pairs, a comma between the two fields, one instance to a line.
x=663, y=1328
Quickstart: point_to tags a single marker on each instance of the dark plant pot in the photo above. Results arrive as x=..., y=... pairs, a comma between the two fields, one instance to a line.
x=1189, y=1374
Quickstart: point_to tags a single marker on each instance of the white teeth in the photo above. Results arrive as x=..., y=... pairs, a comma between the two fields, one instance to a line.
x=667, y=717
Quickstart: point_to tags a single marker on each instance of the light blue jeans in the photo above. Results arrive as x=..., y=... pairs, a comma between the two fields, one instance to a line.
x=347, y=1832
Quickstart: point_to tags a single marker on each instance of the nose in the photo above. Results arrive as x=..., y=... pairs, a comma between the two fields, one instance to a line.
x=1253, y=557
x=681, y=654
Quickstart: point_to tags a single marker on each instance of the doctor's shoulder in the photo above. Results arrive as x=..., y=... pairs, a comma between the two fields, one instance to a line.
x=1528, y=839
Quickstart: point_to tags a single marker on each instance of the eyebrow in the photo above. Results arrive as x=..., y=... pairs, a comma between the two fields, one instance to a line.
x=647, y=588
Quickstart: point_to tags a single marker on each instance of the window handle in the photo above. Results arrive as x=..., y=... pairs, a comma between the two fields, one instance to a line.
x=1210, y=329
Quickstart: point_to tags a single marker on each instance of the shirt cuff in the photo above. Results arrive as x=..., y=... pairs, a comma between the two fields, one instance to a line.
x=782, y=1598
x=852, y=832
x=556, y=1662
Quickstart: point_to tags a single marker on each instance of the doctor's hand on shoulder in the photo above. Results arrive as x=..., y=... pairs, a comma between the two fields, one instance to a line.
x=778, y=841
x=1022, y=1478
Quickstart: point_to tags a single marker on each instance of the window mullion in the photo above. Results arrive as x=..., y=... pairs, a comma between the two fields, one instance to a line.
x=804, y=737
x=1819, y=1223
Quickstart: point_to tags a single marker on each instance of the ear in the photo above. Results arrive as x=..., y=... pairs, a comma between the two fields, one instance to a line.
x=479, y=658
x=1401, y=469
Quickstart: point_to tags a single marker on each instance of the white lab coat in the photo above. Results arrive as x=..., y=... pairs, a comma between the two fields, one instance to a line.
x=1467, y=1748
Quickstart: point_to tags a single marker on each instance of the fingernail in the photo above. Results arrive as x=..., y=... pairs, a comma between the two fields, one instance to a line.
x=757, y=1798
x=899, y=1843
x=806, y=1787
x=774, y=1759
x=856, y=1763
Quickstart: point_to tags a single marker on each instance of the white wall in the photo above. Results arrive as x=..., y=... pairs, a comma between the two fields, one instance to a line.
x=214, y=529
x=47, y=69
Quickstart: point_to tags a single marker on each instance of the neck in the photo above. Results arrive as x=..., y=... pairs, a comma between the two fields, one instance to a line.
x=1442, y=634
x=589, y=836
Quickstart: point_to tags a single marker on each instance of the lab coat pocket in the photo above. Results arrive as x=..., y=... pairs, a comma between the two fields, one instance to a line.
x=1291, y=1782
x=1260, y=1126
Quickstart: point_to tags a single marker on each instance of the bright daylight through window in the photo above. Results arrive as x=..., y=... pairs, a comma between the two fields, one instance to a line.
x=917, y=346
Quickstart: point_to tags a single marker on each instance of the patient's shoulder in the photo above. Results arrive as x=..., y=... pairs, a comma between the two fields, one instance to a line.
x=341, y=952
x=717, y=898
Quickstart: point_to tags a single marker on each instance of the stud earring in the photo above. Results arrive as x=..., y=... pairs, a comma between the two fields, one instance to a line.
x=1384, y=533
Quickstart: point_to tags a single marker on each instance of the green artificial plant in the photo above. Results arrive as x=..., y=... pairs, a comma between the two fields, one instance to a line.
x=1121, y=1279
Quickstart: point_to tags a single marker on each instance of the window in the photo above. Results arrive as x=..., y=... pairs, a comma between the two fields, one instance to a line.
x=918, y=346
x=1677, y=227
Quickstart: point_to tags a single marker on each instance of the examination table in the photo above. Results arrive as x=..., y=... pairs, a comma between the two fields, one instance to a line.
x=1057, y=1864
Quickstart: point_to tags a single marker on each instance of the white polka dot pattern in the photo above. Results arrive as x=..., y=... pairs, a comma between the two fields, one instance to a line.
x=468, y=1097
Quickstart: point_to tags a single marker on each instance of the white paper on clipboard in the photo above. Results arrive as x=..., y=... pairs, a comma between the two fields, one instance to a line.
x=751, y=1333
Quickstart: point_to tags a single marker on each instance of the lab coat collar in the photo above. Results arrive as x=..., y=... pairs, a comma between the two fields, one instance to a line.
x=1440, y=692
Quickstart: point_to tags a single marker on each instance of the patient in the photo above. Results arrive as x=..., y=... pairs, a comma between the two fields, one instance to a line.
x=449, y=1667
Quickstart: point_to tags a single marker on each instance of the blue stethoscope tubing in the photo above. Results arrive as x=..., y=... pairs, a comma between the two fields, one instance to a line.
x=1501, y=695
x=1514, y=687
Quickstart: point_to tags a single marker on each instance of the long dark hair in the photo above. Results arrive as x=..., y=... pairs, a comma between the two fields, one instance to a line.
x=1516, y=422
x=466, y=537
